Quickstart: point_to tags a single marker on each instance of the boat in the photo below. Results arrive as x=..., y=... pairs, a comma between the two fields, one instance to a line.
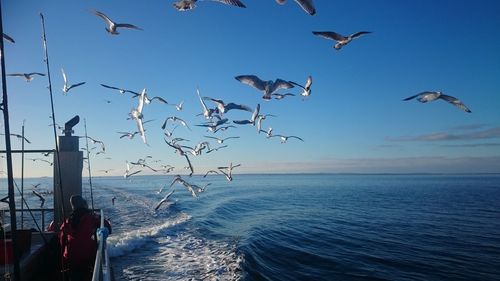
x=35, y=254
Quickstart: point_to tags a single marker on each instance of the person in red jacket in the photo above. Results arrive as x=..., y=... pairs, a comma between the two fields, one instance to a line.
x=78, y=239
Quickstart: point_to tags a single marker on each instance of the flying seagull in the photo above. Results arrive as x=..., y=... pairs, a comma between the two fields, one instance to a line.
x=128, y=134
x=306, y=89
x=207, y=112
x=432, y=96
x=221, y=140
x=27, y=76
x=18, y=136
x=66, y=88
x=278, y=96
x=341, y=40
x=122, y=91
x=42, y=199
x=112, y=26
x=128, y=173
x=164, y=199
x=8, y=38
x=137, y=115
x=185, y=5
x=306, y=5
x=268, y=87
x=222, y=107
x=229, y=173
x=285, y=138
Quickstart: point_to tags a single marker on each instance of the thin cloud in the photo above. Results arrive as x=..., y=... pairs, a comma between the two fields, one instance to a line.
x=470, y=145
x=445, y=136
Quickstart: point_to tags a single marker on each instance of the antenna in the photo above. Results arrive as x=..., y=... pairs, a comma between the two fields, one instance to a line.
x=88, y=161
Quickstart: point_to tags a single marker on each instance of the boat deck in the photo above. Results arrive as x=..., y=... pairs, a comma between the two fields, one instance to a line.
x=40, y=262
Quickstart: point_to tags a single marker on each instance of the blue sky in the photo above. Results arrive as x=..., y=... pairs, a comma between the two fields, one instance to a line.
x=354, y=121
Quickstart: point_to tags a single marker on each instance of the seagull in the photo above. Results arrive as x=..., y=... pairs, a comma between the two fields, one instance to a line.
x=185, y=5
x=160, y=99
x=19, y=137
x=8, y=38
x=136, y=114
x=306, y=90
x=178, y=106
x=269, y=132
x=341, y=40
x=128, y=173
x=207, y=113
x=260, y=118
x=210, y=172
x=187, y=185
x=65, y=86
x=202, y=189
x=105, y=171
x=219, y=140
x=278, y=96
x=94, y=141
x=215, y=148
x=112, y=26
x=222, y=107
x=223, y=128
x=42, y=199
x=432, y=96
x=128, y=134
x=27, y=76
x=306, y=5
x=122, y=91
x=169, y=133
x=164, y=199
x=212, y=126
x=252, y=119
x=229, y=174
x=268, y=87
x=285, y=138
x=39, y=159
x=174, y=119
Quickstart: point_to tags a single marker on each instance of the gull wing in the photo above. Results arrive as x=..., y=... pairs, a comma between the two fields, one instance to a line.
x=142, y=100
x=76, y=85
x=36, y=73
x=412, y=97
x=456, y=102
x=64, y=77
x=309, y=82
x=140, y=127
x=8, y=38
x=253, y=81
x=236, y=3
x=231, y=106
x=104, y=17
x=307, y=5
x=164, y=199
x=295, y=137
x=330, y=35
x=127, y=25
x=280, y=84
x=358, y=34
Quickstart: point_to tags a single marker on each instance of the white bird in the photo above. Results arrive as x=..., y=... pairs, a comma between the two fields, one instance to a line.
x=8, y=38
x=285, y=138
x=428, y=96
x=178, y=106
x=42, y=199
x=128, y=134
x=260, y=118
x=187, y=185
x=215, y=149
x=222, y=107
x=207, y=113
x=165, y=199
x=66, y=88
x=27, y=76
x=306, y=5
x=219, y=140
x=279, y=96
x=269, y=132
x=160, y=99
x=229, y=173
x=137, y=115
x=185, y=5
x=341, y=40
x=128, y=173
x=268, y=87
x=122, y=91
x=202, y=189
x=174, y=119
x=210, y=172
x=18, y=136
x=306, y=89
x=112, y=26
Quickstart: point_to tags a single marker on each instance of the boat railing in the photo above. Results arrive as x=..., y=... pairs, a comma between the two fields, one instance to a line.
x=102, y=268
x=40, y=215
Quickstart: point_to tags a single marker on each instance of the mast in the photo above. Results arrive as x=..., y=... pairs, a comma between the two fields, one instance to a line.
x=8, y=148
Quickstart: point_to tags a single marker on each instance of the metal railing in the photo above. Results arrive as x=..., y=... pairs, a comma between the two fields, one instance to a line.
x=102, y=268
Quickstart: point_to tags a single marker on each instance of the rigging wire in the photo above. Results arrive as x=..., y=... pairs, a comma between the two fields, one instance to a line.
x=88, y=162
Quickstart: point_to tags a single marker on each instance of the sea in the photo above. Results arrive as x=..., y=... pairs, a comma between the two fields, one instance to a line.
x=302, y=227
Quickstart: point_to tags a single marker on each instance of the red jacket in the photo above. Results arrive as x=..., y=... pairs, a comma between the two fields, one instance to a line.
x=78, y=238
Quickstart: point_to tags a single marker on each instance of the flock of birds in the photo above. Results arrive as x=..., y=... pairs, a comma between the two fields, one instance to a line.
x=213, y=111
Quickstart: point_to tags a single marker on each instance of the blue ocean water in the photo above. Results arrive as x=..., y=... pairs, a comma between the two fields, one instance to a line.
x=306, y=227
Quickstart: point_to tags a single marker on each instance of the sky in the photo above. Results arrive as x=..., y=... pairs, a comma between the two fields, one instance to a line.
x=355, y=120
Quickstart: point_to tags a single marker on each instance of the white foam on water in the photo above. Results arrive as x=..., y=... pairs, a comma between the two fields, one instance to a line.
x=184, y=257
x=121, y=243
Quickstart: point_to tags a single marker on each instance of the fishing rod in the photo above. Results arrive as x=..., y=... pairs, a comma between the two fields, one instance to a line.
x=46, y=59
x=88, y=162
x=10, y=177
